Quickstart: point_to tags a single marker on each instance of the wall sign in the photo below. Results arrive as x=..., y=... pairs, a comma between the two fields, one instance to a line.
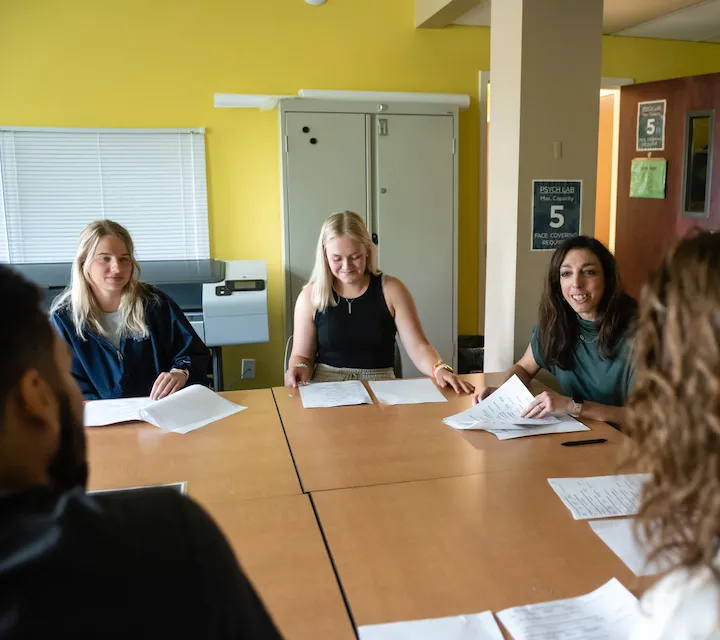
x=647, y=178
x=651, y=125
x=556, y=211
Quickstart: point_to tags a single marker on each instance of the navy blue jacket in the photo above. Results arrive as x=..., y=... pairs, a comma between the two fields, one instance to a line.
x=104, y=372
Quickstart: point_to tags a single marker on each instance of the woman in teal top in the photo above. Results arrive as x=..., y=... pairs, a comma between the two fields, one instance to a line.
x=582, y=337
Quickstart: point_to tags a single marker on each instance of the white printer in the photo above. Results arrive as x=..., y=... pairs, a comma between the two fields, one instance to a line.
x=224, y=300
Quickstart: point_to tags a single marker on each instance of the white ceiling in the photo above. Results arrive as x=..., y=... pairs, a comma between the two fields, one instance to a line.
x=668, y=19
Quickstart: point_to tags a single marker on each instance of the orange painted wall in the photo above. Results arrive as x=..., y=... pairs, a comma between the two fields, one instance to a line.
x=604, y=173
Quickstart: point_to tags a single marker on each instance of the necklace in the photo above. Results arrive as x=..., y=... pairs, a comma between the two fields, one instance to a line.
x=348, y=300
x=582, y=337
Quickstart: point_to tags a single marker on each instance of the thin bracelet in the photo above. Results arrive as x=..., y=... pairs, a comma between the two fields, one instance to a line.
x=185, y=371
x=303, y=365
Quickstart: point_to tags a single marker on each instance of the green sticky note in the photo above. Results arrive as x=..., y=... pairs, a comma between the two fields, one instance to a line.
x=647, y=178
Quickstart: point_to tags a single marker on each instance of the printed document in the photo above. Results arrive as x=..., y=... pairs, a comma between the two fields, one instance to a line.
x=601, y=497
x=608, y=613
x=334, y=394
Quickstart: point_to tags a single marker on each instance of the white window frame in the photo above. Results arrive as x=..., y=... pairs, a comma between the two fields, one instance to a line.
x=192, y=223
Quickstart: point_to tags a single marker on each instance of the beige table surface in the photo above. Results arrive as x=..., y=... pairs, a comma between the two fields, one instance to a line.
x=243, y=456
x=463, y=545
x=279, y=544
x=376, y=444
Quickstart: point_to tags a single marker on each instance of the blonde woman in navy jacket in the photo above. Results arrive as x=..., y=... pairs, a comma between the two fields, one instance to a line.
x=128, y=339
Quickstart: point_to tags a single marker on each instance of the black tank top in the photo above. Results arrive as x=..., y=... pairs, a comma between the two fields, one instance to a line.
x=360, y=335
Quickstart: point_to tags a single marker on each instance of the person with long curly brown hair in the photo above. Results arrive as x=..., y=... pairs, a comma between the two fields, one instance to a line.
x=582, y=336
x=674, y=425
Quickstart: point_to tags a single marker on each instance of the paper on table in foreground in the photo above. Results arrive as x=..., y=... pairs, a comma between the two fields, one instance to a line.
x=189, y=409
x=184, y=411
x=565, y=424
x=406, y=391
x=100, y=413
x=334, y=394
x=479, y=626
x=619, y=536
x=503, y=407
x=608, y=613
x=602, y=496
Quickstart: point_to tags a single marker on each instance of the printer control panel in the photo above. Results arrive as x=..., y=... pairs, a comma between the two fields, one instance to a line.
x=233, y=286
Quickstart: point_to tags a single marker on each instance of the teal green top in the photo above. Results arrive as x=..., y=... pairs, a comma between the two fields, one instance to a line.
x=592, y=378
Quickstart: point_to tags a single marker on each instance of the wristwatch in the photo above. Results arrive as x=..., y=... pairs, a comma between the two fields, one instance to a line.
x=576, y=407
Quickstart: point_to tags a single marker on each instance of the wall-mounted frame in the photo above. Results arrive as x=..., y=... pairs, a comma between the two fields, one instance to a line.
x=697, y=164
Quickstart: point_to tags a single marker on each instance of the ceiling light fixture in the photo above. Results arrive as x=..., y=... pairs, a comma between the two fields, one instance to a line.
x=316, y=2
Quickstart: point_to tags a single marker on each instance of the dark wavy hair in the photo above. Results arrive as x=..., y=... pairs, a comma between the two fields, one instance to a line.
x=558, y=328
x=674, y=409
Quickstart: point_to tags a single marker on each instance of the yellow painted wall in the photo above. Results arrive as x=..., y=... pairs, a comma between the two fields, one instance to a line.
x=157, y=63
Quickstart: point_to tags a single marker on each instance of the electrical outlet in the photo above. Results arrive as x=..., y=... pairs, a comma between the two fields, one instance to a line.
x=248, y=368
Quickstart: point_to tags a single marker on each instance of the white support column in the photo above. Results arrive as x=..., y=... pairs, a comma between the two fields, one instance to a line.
x=545, y=65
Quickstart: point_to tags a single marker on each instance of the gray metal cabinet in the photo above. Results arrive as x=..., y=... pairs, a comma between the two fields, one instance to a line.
x=397, y=166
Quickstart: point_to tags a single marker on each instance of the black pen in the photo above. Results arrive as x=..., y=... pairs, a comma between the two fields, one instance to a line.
x=577, y=443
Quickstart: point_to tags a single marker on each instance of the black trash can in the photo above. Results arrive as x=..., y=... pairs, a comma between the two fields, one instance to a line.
x=471, y=353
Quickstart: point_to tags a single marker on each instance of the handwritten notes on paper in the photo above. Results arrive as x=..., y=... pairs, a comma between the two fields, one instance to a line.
x=406, y=391
x=503, y=407
x=334, y=394
x=184, y=411
x=479, y=626
x=608, y=613
x=500, y=414
x=600, y=497
x=565, y=424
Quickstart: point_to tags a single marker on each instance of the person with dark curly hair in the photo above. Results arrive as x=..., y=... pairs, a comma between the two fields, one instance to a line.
x=674, y=423
x=582, y=337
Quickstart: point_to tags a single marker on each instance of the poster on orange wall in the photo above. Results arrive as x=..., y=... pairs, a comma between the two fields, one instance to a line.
x=651, y=125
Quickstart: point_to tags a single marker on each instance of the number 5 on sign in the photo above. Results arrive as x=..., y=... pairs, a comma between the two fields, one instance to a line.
x=557, y=219
x=556, y=212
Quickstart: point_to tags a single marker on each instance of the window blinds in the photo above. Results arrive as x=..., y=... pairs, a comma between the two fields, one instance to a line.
x=55, y=181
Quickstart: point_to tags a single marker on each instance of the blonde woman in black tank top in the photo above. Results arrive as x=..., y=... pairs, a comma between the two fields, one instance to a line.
x=347, y=316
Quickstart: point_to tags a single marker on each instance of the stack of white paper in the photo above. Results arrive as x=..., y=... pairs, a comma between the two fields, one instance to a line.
x=608, y=613
x=503, y=407
x=334, y=394
x=620, y=537
x=479, y=626
x=406, y=391
x=601, y=497
x=500, y=414
x=565, y=424
x=100, y=413
x=184, y=411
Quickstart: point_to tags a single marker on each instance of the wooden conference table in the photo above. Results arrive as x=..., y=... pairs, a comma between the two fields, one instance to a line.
x=241, y=471
x=380, y=444
x=420, y=520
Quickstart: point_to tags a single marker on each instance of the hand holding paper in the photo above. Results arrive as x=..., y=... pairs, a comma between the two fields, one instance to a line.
x=504, y=407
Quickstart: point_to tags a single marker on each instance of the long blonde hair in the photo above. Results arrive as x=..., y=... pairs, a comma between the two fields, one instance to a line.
x=79, y=297
x=346, y=223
